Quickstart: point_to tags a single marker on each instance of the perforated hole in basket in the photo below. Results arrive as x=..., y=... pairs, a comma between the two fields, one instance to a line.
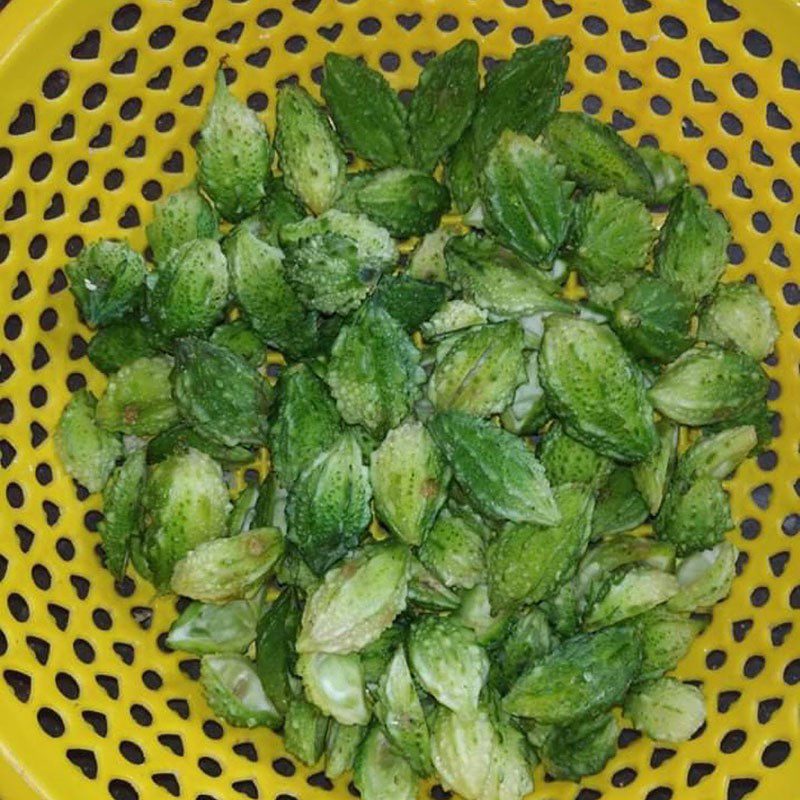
x=100, y=107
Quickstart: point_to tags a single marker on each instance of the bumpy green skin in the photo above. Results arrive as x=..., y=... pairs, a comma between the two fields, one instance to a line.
x=448, y=662
x=399, y=711
x=582, y=677
x=374, y=371
x=411, y=302
x=341, y=746
x=705, y=578
x=694, y=516
x=278, y=208
x=232, y=689
x=380, y=773
x=241, y=339
x=717, y=455
x=527, y=563
x=404, y=201
x=427, y=261
x=119, y=343
x=526, y=199
x=529, y=639
x=563, y=610
x=620, y=551
x=597, y=158
x=270, y=303
x=477, y=614
x=620, y=507
x=566, y=460
x=652, y=319
x=107, y=281
x=122, y=497
x=185, y=503
x=510, y=773
x=667, y=171
x=496, y=470
x=182, y=437
x=708, y=385
x=758, y=415
x=595, y=389
x=309, y=153
x=527, y=411
x=652, y=474
x=275, y=637
x=478, y=371
x=692, y=247
x=740, y=316
x=207, y=628
x=305, y=422
x=443, y=103
x=666, y=709
x=228, y=568
x=222, y=396
x=454, y=550
x=574, y=751
x=181, y=217
x=356, y=602
x=138, y=398
x=374, y=128
x=409, y=479
x=611, y=236
x=234, y=155
x=334, y=683
x=455, y=315
x=462, y=173
x=499, y=281
x=335, y=261
x=377, y=656
x=426, y=592
x=188, y=291
x=304, y=731
x=87, y=451
x=328, y=505
x=666, y=638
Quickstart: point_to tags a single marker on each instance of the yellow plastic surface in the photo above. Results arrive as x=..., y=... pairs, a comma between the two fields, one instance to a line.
x=90, y=706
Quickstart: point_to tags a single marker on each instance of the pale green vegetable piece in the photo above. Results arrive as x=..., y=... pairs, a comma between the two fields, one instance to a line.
x=705, y=578
x=243, y=511
x=87, y=451
x=356, y=602
x=334, y=261
x=185, y=503
x=234, y=155
x=228, y=568
x=619, y=507
x=138, y=398
x=478, y=370
x=234, y=692
x=667, y=171
x=400, y=713
x=122, y=498
x=574, y=751
x=666, y=638
x=717, y=455
x=594, y=388
x=529, y=639
x=527, y=563
x=409, y=481
x=497, y=471
x=454, y=550
x=427, y=262
x=269, y=302
x=581, y=677
x=178, y=218
x=107, y=281
x=455, y=315
x=692, y=246
x=477, y=614
x=527, y=411
x=278, y=208
x=651, y=474
x=627, y=593
x=566, y=460
x=380, y=773
x=341, y=746
x=188, y=291
x=304, y=731
x=205, y=628
x=334, y=683
x=666, y=709
x=328, y=506
x=309, y=153
x=526, y=198
x=374, y=371
x=448, y=662
x=740, y=316
x=707, y=385
x=611, y=237
x=509, y=773
x=377, y=656
x=427, y=592
x=498, y=280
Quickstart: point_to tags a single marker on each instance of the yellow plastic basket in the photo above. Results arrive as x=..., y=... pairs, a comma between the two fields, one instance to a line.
x=99, y=102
